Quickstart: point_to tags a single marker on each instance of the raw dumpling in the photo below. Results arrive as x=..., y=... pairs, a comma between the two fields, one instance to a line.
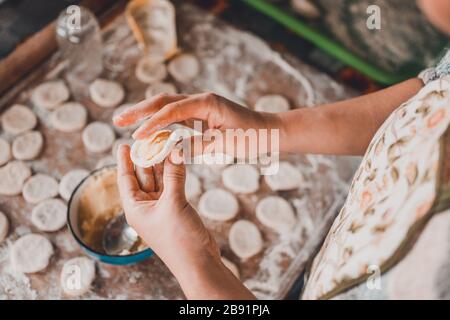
x=245, y=239
x=287, y=177
x=12, y=178
x=28, y=145
x=77, y=276
x=18, y=119
x=218, y=204
x=31, y=253
x=276, y=213
x=98, y=137
x=241, y=178
x=40, y=187
x=49, y=215
x=184, y=68
x=106, y=93
x=50, y=94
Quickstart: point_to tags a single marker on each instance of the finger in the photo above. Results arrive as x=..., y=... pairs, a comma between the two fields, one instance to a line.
x=159, y=171
x=146, y=179
x=144, y=109
x=126, y=178
x=194, y=107
x=174, y=175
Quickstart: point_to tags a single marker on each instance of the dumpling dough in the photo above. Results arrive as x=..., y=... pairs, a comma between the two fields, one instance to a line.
x=231, y=266
x=18, y=119
x=31, y=253
x=160, y=87
x=98, y=137
x=245, y=239
x=50, y=94
x=4, y=226
x=272, y=103
x=70, y=181
x=193, y=186
x=77, y=276
x=287, y=178
x=12, y=177
x=184, y=68
x=106, y=93
x=40, y=187
x=241, y=178
x=150, y=69
x=28, y=145
x=218, y=204
x=49, y=215
x=5, y=151
x=70, y=117
x=276, y=213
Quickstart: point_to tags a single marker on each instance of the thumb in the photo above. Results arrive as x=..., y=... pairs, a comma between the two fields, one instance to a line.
x=174, y=175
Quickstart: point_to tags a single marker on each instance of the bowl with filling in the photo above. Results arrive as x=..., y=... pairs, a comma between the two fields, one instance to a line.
x=93, y=204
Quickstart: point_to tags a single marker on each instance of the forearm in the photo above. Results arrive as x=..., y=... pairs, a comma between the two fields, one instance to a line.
x=209, y=279
x=345, y=127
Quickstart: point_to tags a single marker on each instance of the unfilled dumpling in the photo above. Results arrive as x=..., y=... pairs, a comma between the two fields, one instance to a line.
x=245, y=239
x=218, y=204
x=241, y=178
x=287, y=177
x=276, y=213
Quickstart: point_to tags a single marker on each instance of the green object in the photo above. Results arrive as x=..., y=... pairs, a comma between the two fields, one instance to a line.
x=329, y=46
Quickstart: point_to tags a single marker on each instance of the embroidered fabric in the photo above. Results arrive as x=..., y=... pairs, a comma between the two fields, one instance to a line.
x=442, y=69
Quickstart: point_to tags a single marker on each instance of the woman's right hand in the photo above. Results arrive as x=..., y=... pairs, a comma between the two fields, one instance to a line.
x=218, y=112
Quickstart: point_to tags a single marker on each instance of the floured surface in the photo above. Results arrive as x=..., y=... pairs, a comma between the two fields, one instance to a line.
x=234, y=64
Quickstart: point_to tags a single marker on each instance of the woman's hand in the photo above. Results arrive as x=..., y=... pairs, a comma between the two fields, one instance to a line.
x=156, y=207
x=216, y=111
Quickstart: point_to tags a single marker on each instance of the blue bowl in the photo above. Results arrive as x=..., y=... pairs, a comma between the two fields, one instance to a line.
x=73, y=223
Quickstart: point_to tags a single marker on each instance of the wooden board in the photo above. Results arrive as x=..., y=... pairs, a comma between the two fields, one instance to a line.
x=236, y=65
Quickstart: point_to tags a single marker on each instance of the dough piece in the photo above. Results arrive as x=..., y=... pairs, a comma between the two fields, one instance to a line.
x=70, y=117
x=50, y=94
x=40, y=187
x=5, y=151
x=184, y=67
x=118, y=142
x=106, y=93
x=77, y=276
x=28, y=145
x=241, y=178
x=272, y=103
x=154, y=149
x=31, y=253
x=12, y=178
x=160, y=87
x=218, y=204
x=193, y=187
x=70, y=181
x=287, y=178
x=105, y=162
x=150, y=69
x=98, y=137
x=18, y=119
x=49, y=215
x=245, y=239
x=231, y=266
x=4, y=226
x=276, y=213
